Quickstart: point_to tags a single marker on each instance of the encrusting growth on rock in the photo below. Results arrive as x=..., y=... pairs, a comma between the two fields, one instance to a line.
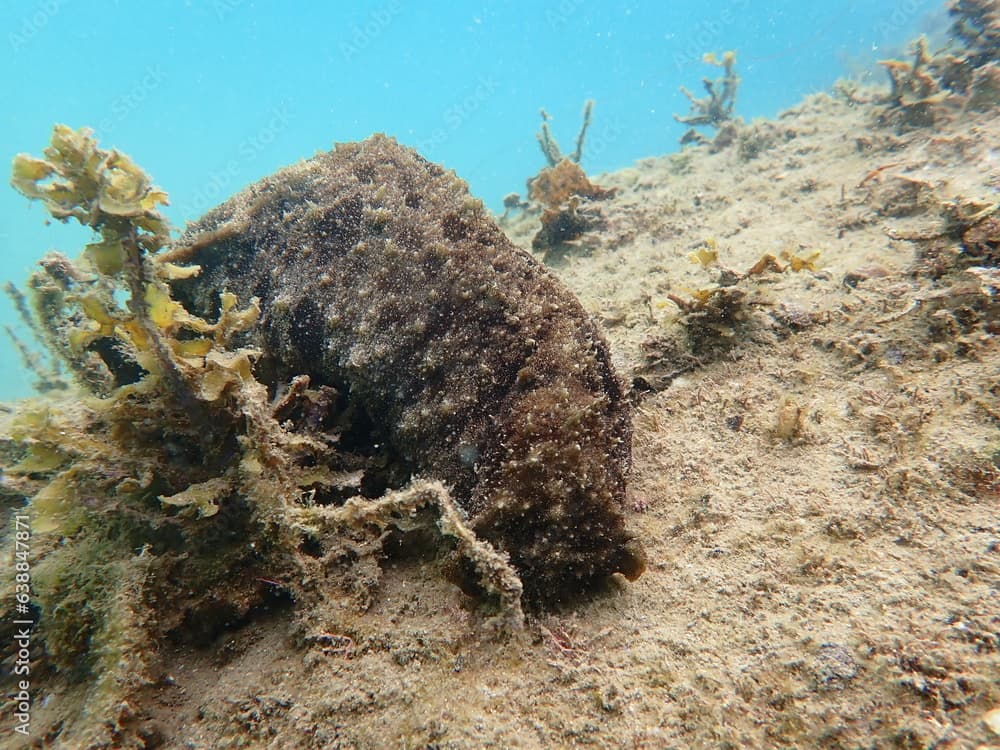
x=387, y=363
x=381, y=277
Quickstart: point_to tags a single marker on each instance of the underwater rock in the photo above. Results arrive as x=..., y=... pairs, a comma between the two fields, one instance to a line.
x=380, y=276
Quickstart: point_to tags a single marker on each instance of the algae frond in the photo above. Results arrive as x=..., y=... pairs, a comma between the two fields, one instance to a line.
x=549, y=145
x=965, y=75
x=716, y=107
x=565, y=193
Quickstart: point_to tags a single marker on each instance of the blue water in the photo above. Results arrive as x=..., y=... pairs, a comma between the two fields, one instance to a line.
x=209, y=96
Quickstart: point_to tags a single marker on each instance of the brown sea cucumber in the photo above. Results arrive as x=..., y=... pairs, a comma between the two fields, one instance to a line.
x=380, y=276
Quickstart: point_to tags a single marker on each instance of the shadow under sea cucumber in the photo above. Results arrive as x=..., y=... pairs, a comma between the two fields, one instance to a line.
x=380, y=276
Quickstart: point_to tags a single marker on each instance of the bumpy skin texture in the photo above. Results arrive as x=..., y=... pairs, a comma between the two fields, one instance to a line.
x=378, y=274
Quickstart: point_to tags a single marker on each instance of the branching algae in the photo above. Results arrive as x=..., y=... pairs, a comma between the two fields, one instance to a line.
x=549, y=145
x=348, y=347
x=715, y=109
x=965, y=75
x=565, y=192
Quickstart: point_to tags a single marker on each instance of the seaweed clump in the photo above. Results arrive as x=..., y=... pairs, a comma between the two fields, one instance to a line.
x=931, y=86
x=715, y=109
x=713, y=321
x=174, y=473
x=977, y=24
x=565, y=193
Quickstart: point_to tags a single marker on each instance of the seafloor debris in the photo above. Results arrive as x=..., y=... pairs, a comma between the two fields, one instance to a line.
x=963, y=77
x=966, y=232
x=384, y=332
x=963, y=251
x=567, y=196
x=715, y=319
x=715, y=109
x=565, y=193
x=789, y=422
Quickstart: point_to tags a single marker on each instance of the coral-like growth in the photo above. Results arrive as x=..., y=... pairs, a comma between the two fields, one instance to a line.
x=929, y=87
x=911, y=82
x=565, y=193
x=977, y=24
x=549, y=145
x=556, y=185
x=715, y=109
x=567, y=196
x=562, y=227
x=917, y=92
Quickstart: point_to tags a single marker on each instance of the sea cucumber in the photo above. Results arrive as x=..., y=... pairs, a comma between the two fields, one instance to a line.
x=379, y=275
